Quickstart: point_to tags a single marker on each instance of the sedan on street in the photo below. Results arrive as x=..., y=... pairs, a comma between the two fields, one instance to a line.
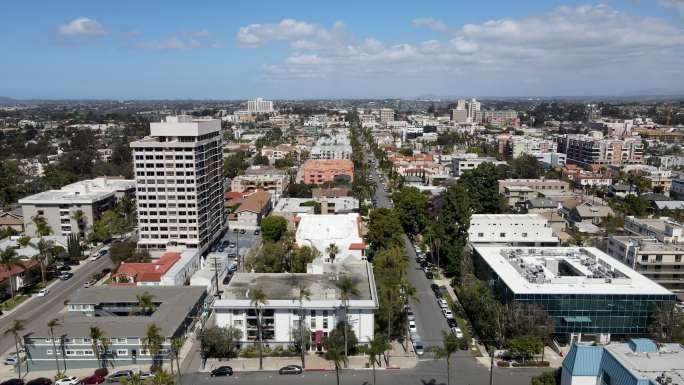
x=222, y=371
x=290, y=369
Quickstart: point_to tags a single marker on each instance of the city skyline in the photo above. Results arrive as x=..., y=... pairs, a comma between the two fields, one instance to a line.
x=308, y=50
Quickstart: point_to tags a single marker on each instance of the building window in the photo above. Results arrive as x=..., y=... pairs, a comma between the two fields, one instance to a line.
x=524, y=235
x=502, y=235
x=121, y=340
x=237, y=323
x=480, y=235
x=678, y=258
x=121, y=352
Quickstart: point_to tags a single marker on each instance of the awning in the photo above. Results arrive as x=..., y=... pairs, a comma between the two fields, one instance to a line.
x=318, y=337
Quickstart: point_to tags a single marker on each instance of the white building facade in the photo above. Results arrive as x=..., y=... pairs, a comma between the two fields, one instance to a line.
x=179, y=171
x=511, y=229
x=259, y=106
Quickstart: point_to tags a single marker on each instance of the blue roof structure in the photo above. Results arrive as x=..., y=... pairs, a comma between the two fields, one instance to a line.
x=583, y=360
x=643, y=345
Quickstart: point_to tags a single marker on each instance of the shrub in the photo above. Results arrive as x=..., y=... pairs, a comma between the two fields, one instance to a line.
x=503, y=364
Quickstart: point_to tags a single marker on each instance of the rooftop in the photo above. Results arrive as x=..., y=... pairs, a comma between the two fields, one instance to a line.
x=651, y=362
x=175, y=304
x=149, y=272
x=320, y=231
x=565, y=270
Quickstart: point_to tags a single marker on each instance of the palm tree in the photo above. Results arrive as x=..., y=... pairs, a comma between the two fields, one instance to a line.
x=163, y=378
x=42, y=228
x=304, y=293
x=134, y=380
x=153, y=342
x=52, y=324
x=145, y=304
x=257, y=299
x=378, y=345
x=8, y=261
x=347, y=289
x=16, y=328
x=80, y=218
x=335, y=354
x=41, y=257
x=449, y=347
x=176, y=346
x=332, y=251
x=96, y=338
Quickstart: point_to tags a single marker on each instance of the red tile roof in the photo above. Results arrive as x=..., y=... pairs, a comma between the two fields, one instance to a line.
x=357, y=246
x=149, y=272
x=25, y=265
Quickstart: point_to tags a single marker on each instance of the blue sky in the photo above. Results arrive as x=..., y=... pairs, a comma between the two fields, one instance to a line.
x=320, y=49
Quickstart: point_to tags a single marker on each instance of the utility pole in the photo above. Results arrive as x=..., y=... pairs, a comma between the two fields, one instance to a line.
x=491, y=365
x=216, y=275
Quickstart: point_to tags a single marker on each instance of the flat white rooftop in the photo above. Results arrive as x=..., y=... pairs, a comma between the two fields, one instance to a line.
x=184, y=125
x=565, y=270
x=320, y=231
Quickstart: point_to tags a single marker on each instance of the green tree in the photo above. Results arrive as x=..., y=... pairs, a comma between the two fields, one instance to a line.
x=235, y=164
x=260, y=160
x=412, y=209
x=525, y=347
x=377, y=347
x=8, y=261
x=303, y=294
x=41, y=258
x=482, y=186
x=667, y=324
x=258, y=299
x=176, y=346
x=449, y=346
x=452, y=228
x=273, y=228
x=52, y=324
x=636, y=206
x=303, y=256
x=145, y=303
x=74, y=250
x=332, y=251
x=15, y=329
x=80, y=218
x=97, y=339
x=525, y=166
x=384, y=230
x=219, y=342
x=551, y=377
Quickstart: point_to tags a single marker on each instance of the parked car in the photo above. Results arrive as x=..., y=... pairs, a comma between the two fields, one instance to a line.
x=451, y=322
x=40, y=381
x=146, y=375
x=221, y=249
x=222, y=371
x=232, y=268
x=418, y=347
x=435, y=288
x=118, y=375
x=457, y=331
x=13, y=381
x=290, y=369
x=447, y=313
x=89, y=283
x=257, y=232
x=66, y=275
x=443, y=303
x=242, y=231
x=11, y=360
x=231, y=245
x=71, y=380
x=43, y=292
x=235, y=230
x=227, y=278
x=428, y=274
x=409, y=315
x=412, y=326
x=93, y=380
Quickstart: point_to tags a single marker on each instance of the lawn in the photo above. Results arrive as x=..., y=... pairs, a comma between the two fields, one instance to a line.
x=12, y=303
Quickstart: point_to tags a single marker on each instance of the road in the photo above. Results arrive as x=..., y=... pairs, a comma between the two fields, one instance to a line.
x=429, y=372
x=37, y=311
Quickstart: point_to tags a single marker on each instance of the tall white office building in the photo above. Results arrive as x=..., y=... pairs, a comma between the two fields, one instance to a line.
x=259, y=106
x=471, y=107
x=178, y=169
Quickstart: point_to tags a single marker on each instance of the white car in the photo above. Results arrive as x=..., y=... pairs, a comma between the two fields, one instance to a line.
x=68, y=381
x=447, y=313
x=443, y=303
x=146, y=375
x=457, y=331
x=412, y=326
x=409, y=315
x=11, y=360
x=43, y=292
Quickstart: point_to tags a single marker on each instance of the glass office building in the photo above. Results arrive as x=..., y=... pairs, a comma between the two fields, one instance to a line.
x=583, y=289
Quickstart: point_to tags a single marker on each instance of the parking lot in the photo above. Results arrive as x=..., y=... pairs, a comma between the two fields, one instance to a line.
x=243, y=242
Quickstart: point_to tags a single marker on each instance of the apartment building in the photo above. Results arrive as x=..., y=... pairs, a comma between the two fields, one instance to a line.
x=280, y=151
x=663, y=229
x=321, y=231
x=661, y=262
x=321, y=171
x=58, y=207
x=594, y=150
x=335, y=147
x=259, y=106
x=465, y=162
x=501, y=118
x=537, y=185
x=266, y=178
x=179, y=172
x=386, y=115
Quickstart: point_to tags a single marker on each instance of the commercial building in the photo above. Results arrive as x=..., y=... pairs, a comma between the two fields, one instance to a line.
x=278, y=152
x=511, y=230
x=285, y=311
x=259, y=106
x=596, y=151
x=465, y=111
x=253, y=208
x=320, y=231
x=321, y=171
x=179, y=172
x=114, y=310
x=637, y=362
x=266, y=178
x=502, y=118
x=658, y=261
x=678, y=187
x=58, y=207
x=585, y=291
x=537, y=185
x=466, y=162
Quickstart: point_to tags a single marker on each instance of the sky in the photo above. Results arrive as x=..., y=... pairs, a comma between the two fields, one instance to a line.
x=231, y=49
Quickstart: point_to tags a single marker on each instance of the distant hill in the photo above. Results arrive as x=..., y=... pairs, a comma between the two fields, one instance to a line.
x=4, y=99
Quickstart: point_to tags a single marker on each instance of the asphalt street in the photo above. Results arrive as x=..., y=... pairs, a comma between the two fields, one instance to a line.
x=428, y=372
x=37, y=311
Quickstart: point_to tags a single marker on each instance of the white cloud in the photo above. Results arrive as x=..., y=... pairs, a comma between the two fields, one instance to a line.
x=303, y=35
x=568, y=46
x=81, y=27
x=170, y=44
x=430, y=22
